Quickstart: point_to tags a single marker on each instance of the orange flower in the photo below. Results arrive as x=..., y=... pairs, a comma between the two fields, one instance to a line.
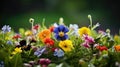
x=44, y=34
x=117, y=48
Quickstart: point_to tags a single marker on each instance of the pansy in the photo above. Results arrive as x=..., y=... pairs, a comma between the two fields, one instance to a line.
x=6, y=28
x=74, y=29
x=66, y=45
x=39, y=51
x=58, y=53
x=60, y=32
x=17, y=50
x=49, y=42
x=44, y=62
x=84, y=31
x=44, y=34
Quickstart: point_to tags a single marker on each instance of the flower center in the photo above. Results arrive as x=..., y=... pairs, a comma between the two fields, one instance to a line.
x=65, y=46
x=61, y=34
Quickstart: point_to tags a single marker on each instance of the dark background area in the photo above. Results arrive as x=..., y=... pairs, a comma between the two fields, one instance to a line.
x=16, y=13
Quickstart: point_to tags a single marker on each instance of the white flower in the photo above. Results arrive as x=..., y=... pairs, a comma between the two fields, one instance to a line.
x=74, y=29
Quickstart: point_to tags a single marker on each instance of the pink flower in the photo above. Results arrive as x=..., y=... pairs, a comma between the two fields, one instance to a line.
x=44, y=62
x=85, y=44
x=36, y=27
x=88, y=39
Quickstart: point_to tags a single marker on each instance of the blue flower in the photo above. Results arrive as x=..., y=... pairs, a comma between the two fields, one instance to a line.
x=60, y=32
x=1, y=64
x=58, y=53
x=39, y=51
x=6, y=29
x=9, y=42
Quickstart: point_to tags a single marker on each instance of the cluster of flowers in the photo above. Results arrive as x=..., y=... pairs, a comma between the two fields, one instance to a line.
x=59, y=45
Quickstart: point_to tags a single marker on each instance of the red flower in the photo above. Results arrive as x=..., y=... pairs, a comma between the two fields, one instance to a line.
x=17, y=36
x=101, y=48
x=36, y=27
x=49, y=42
x=51, y=28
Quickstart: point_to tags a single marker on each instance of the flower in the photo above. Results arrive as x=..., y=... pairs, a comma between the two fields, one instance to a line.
x=36, y=27
x=66, y=45
x=16, y=36
x=74, y=29
x=44, y=34
x=17, y=50
x=88, y=39
x=1, y=64
x=48, y=42
x=85, y=31
x=101, y=48
x=58, y=53
x=44, y=62
x=51, y=28
x=60, y=32
x=117, y=48
x=9, y=42
x=39, y=51
x=86, y=44
x=6, y=28
x=28, y=33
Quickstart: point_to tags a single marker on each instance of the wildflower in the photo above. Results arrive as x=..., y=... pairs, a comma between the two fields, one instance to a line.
x=44, y=62
x=17, y=36
x=17, y=50
x=1, y=64
x=85, y=31
x=117, y=48
x=86, y=44
x=88, y=39
x=74, y=29
x=28, y=33
x=55, y=25
x=49, y=42
x=44, y=34
x=60, y=32
x=9, y=42
x=66, y=45
x=39, y=51
x=51, y=28
x=36, y=27
x=58, y=53
x=6, y=28
x=101, y=48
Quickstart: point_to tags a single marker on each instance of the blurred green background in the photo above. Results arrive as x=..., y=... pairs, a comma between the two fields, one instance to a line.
x=16, y=13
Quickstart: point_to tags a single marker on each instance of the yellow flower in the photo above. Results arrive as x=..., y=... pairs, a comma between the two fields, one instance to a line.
x=117, y=48
x=17, y=50
x=66, y=45
x=116, y=38
x=28, y=33
x=84, y=30
x=44, y=34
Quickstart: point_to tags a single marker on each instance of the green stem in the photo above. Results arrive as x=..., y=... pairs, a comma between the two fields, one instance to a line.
x=16, y=61
x=90, y=18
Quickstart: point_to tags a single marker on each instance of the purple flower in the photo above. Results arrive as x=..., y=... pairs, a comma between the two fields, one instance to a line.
x=44, y=62
x=6, y=29
x=85, y=44
x=88, y=39
x=9, y=42
x=39, y=51
x=58, y=53
x=60, y=32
